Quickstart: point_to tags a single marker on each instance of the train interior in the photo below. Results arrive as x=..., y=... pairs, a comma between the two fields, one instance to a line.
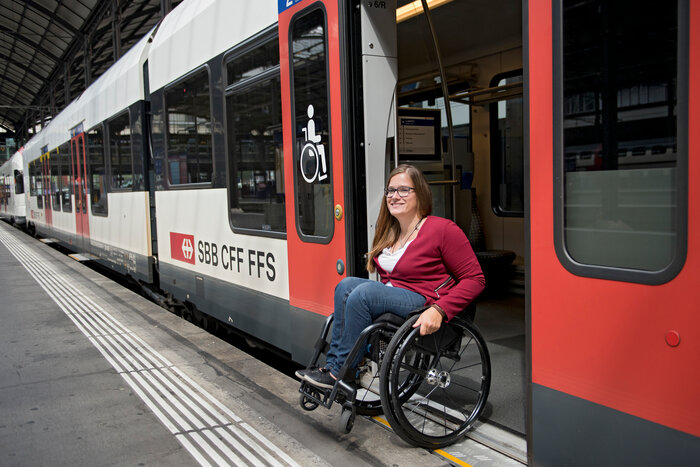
x=481, y=53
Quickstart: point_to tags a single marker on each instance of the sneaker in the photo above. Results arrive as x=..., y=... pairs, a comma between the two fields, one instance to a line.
x=320, y=378
x=303, y=372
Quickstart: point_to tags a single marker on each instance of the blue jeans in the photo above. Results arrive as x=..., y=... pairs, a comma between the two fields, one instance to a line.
x=356, y=304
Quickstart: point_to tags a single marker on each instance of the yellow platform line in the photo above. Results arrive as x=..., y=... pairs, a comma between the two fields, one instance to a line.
x=444, y=454
x=381, y=420
x=451, y=457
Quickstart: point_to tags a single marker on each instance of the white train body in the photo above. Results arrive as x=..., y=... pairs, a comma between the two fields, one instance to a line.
x=12, y=198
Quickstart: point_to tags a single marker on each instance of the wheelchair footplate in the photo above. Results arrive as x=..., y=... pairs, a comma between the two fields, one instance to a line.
x=310, y=397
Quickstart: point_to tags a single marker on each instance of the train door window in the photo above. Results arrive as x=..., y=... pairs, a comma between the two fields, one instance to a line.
x=19, y=182
x=507, y=176
x=313, y=192
x=254, y=138
x=622, y=147
x=121, y=167
x=38, y=178
x=34, y=180
x=54, y=191
x=188, y=135
x=96, y=171
x=64, y=182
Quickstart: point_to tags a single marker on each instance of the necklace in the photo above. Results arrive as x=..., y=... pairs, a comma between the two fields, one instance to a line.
x=411, y=233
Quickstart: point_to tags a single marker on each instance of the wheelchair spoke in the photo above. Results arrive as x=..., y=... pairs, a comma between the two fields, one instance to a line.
x=425, y=398
x=466, y=367
x=466, y=387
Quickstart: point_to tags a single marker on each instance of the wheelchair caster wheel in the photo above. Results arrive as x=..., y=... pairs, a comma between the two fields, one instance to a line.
x=347, y=420
x=306, y=403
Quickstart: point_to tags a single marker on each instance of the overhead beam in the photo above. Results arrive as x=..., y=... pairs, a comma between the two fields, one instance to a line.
x=52, y=16
x=33, y=45
x=22, y=66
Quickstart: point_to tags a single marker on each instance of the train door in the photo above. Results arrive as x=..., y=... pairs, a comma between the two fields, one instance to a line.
x=79, y=174
x=457, y=92
x=310, y=68
x=46, y=176
x=613, y=235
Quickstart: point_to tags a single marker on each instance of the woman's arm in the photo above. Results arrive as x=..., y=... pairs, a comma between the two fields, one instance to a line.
x=458, y=256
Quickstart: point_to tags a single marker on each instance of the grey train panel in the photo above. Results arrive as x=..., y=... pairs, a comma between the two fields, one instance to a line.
x=568, y=430
x=264, y=316
x=122, y=261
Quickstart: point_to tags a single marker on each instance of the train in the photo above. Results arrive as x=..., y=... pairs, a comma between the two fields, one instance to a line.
x=233, y=161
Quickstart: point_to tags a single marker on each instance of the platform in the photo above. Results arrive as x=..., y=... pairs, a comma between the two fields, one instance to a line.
x=93, y=374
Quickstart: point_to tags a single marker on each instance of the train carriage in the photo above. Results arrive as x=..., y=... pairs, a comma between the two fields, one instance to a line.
x=88, y=173
x=12, y=190
x=234, y=161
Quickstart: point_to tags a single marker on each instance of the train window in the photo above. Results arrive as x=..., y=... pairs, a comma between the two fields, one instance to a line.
x=254, y=137
x=54, y=192
x=188, y=136
x=621, y=145
x=253, y=63
x=96, y=171
x=19, y=182
x=121, y=170
x=32, y=178
x=37, y=181
x=507, y=176
x=64, y=182
x=313, y=193
x=4, y=191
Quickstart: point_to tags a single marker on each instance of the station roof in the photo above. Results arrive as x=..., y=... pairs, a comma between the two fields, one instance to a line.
x=51, y=50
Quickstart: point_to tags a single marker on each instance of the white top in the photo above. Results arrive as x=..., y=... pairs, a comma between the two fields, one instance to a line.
x=387, y=260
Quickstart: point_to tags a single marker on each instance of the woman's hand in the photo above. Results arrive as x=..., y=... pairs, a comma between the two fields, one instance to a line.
x=429, y=321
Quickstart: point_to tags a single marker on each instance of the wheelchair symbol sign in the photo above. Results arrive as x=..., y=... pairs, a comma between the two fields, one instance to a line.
x=312, y=160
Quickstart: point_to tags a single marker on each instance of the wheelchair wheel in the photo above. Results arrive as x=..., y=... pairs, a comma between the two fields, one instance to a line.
x=347, y=420
x=442, y=382
x=306, y=403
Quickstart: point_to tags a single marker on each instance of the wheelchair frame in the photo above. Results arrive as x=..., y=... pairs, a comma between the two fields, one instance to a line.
x=419, y=366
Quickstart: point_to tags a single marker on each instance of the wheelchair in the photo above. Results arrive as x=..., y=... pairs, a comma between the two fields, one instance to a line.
x=431, y=388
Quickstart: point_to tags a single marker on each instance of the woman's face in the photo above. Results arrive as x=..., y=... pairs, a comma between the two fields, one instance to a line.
x=402, y=207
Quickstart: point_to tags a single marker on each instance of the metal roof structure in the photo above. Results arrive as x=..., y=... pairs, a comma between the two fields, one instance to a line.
x=51, y=50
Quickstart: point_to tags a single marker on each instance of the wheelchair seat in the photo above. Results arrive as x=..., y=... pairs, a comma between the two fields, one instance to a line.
x=396, y=320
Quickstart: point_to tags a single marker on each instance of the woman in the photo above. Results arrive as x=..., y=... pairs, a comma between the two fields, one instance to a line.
x=421, y=260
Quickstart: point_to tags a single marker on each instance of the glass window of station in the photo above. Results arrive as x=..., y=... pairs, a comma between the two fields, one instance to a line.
x=621, y=133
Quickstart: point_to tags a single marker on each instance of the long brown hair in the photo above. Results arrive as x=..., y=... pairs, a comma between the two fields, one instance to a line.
x=388, y=227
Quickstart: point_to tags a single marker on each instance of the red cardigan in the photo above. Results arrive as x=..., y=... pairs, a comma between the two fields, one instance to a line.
x=440, y=257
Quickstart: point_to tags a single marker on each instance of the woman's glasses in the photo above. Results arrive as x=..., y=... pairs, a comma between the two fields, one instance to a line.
x=403, y=191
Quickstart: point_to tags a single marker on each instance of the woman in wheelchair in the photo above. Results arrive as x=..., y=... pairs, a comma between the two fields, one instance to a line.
x=422, y=260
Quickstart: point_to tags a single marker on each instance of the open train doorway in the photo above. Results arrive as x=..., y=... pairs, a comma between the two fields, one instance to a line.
x=470, y=145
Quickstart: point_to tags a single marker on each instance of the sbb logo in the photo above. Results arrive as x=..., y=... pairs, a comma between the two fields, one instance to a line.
x=182, y=247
